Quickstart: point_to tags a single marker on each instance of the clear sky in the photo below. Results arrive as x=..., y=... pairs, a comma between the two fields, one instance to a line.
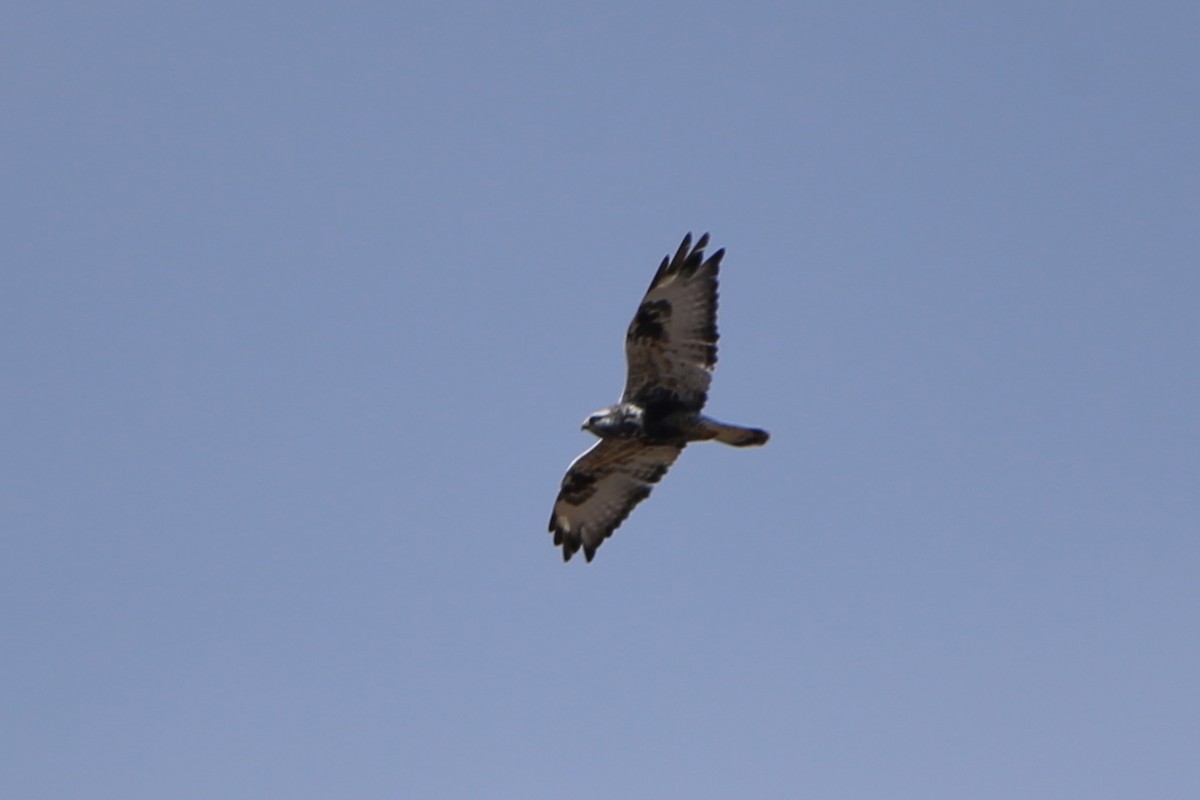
x=302, y=305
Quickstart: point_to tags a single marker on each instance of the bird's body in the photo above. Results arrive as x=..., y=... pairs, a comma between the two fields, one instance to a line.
x=671, y=349
x=667, y=423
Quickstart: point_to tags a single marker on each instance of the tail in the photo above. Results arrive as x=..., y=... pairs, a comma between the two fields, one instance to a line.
x=737, y=435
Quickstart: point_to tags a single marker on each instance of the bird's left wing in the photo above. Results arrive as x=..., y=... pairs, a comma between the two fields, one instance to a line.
x=601, y=487
x=671, y=345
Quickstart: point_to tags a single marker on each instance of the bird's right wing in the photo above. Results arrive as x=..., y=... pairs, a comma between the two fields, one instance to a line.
x=601, y=487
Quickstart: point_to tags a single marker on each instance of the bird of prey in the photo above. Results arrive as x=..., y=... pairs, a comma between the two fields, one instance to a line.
x=670, y=349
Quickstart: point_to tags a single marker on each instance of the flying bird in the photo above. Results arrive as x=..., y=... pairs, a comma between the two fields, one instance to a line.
x=670, y=350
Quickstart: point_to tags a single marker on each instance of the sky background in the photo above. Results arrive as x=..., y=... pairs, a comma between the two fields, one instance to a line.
x=302, y=305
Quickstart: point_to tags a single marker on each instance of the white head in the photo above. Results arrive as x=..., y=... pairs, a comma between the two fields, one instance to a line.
x=620, y=420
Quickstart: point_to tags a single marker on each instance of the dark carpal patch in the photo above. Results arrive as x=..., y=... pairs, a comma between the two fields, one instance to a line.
x=651, y=321
x=578, y=486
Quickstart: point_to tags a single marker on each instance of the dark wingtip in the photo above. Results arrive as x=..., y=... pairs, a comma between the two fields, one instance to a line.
x=715, y=259
x=568, y=545
x=561, y=539
x=685, y=247
x=702, y=242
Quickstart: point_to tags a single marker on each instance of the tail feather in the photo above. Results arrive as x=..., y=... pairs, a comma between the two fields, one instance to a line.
x=738, y=436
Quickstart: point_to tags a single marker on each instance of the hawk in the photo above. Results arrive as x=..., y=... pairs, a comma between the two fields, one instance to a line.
x=670, y=349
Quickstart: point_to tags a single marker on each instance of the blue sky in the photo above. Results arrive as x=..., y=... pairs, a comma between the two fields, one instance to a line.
x=303, y=304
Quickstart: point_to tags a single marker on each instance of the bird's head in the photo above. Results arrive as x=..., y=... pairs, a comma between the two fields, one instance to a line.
x=614, y=421
x=597, y=421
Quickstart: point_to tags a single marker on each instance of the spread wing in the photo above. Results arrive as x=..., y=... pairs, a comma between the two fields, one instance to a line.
x=671, y=345
x=601, y=487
